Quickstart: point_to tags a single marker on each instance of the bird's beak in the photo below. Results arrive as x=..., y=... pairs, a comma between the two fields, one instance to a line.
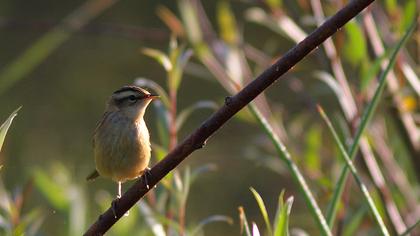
x=153, y=96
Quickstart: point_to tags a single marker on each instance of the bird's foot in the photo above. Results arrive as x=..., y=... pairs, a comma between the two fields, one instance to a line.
x=147, y=175
x=114, y=207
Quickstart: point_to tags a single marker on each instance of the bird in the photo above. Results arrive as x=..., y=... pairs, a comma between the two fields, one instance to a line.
x=121, y=140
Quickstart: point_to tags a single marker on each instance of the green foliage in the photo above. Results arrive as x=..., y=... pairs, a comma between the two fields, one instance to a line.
x=189, y=17
x=52, y=190
x=367, y=115
x=263, y=210
x=409, y=14
x=6, y=125
x=274, y=3
x=281, y=220
x=356, y=175
x=313, y=148
x=227, y=23
x=15, y=221
x=64, y=196
x=355, y=48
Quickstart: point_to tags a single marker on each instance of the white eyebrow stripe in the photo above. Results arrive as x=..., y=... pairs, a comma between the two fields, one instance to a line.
x=125, y=94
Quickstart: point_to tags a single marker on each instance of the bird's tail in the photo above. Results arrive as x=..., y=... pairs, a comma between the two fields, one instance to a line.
x=92, y=176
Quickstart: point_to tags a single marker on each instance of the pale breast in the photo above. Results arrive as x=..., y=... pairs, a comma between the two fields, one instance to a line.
x=122, y=148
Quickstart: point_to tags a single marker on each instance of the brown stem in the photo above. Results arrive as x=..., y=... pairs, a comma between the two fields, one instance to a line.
x=182, y=219
x=234, y=104
x=173, y=139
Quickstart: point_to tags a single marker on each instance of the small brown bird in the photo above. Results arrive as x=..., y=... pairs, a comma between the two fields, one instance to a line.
x=121, y=139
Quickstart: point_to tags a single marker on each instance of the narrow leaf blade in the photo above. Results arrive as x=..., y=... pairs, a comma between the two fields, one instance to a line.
x=6, y=125
x=263, y=210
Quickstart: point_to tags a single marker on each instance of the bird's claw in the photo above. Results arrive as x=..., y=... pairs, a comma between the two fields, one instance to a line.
x=146, y=175
x=114, y=207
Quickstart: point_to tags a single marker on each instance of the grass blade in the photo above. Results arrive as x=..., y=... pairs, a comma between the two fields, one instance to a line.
x=263, y=210
x=244, y=223
x=367, y=115
x=281, y=227
x=6, y=125
x=294, y=170
x=353, y=170
x=407, y=232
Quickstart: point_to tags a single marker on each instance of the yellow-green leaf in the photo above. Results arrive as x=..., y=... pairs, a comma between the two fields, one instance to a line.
x=263, y=210
x=355, y=47
x=6, y=125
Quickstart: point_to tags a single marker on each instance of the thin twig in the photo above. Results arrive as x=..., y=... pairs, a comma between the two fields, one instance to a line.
x=234, y=104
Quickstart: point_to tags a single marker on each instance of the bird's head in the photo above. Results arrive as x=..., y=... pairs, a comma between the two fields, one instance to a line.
x=132, y=101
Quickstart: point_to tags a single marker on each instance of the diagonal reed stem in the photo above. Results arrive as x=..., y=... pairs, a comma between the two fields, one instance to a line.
x=367, y=115
x=353, y=170
x=294, y=170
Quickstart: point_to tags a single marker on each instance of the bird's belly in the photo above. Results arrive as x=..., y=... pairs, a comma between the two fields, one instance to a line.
x=122, y=167
x=122, y=156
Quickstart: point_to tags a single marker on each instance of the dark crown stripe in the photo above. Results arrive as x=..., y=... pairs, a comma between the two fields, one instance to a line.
x=131, y=88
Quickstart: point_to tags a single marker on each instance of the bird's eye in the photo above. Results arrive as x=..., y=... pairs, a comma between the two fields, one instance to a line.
x=132, y=98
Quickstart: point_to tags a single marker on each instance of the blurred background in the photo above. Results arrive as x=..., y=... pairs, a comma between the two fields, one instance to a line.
x=61, y=60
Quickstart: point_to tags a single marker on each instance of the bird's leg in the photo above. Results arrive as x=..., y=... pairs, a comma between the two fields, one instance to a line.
x=119, y=190
x=114, y=203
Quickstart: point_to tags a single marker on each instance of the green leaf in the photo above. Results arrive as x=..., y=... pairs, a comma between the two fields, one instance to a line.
x=274, y=4
x=313, y=142
x=29, y=223
x=281, y=227
x=355, y=46
x=179, y=61
x=263, y=210
x=409, y=14
x=6, y=125
x=190, y=20
x=159, y=57
x=162, y=123
x=391, y=5
x=227, y=23
x=51, y=190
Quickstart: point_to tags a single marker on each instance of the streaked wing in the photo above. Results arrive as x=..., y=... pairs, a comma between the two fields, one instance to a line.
x=99, y=125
